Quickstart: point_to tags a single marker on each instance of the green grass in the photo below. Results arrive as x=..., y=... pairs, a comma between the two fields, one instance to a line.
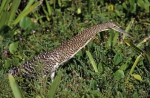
x=117, y=62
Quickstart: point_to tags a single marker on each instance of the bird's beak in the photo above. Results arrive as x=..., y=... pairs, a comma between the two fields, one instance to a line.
x=122, y=31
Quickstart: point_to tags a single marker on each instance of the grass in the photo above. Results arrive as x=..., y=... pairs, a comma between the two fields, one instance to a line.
x=115, y=56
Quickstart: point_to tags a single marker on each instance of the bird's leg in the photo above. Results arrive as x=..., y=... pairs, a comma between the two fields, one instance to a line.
x=52, y=76
x=53, y=70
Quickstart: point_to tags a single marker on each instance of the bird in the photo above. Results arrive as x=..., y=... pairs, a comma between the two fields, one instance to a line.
x=52, y=59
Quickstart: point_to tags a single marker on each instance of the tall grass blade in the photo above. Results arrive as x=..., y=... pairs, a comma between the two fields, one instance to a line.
x=133, y=67
x=26, y=12
x=13, y=10
x=135, y=63
x=92, y=61
x=129, y=26
x=110, y=41
x=142, y=42
x=14, y=87
x=129, y=43
x=4, y=18
x=147, y=53
x=146, y=56
x=48, y=8
x=30, y=2
x=46, y=13
x=3, y=6
x=115, y=39
x=55, y=84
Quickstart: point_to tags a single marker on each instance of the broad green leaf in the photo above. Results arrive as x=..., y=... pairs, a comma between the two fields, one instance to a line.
x=7, y=63
x=14, y=87
x=26, y=23
x=15, y=61
x=136, y=76
x=123, y=67
x=117, y=58
x=119, y=74
x=13, y=47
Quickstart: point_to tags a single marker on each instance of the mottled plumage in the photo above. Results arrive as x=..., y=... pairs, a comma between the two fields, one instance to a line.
x=51, y=60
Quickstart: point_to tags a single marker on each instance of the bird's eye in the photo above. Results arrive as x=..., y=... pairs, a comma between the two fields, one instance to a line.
x=114, y=26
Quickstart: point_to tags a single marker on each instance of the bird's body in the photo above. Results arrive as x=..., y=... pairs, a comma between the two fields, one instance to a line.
x=51, y=60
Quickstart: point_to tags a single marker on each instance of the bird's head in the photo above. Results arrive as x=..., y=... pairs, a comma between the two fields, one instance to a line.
x=114, y=26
